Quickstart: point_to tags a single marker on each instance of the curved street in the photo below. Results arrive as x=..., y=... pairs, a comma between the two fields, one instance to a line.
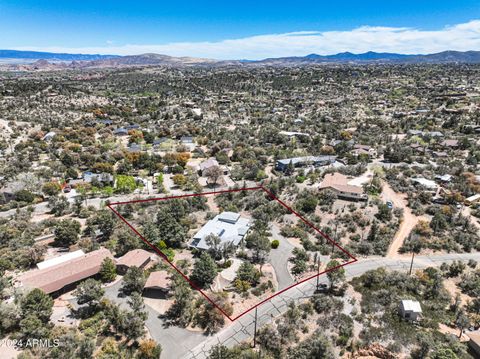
x=242, y=329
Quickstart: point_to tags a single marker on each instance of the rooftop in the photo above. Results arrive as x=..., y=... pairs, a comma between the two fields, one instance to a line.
x=60, y=275
x=134, y=258
x=340, y=183
x=229, y=226
x=411, y=306
x=158, y=280
x=60, y=259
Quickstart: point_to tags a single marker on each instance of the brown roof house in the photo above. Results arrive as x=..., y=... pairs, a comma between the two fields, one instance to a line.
x=57, y=278
x=338, y=183
x=137, y=258
x=157, y=281
x=207, y=164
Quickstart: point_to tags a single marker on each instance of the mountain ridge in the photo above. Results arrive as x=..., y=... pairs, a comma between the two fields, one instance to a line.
x=152, y=59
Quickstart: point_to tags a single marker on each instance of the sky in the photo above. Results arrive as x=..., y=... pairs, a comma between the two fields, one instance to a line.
x=240, y=29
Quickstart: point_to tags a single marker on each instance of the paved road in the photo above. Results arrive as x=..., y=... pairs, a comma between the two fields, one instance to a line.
x=97, y=202
x=242, y=329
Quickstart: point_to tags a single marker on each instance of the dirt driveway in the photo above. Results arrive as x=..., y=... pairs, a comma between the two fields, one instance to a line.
x=409, y=219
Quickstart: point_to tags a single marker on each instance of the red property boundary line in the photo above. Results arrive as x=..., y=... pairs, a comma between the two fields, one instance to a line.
x=192, y=284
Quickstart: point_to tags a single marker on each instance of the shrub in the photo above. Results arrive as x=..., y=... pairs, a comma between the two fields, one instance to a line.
x=275, y=243
x=242, y=286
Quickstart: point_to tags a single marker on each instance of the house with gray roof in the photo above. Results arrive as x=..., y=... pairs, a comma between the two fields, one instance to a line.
x=230, y=227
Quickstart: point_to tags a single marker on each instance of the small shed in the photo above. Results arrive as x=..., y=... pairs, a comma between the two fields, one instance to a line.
x=410, y=309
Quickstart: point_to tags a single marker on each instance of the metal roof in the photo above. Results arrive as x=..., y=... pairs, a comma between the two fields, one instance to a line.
x=411, y=306
x=230, y=227
x=60, y=259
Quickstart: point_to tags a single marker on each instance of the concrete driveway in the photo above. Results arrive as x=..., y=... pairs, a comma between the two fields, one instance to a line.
x=279, y=257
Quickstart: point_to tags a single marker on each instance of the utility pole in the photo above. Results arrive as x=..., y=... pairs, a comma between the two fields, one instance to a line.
x=255, y=329
x=411, y=263
x=415, y=247
x=335, y=237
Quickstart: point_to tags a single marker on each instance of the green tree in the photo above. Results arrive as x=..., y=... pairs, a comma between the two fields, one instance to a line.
x=299, y=261
x=335, y=276
x=105, y=221
x=109, y=350
x=37, y=303
x=248, y=273
x=51, y=188
x=134, y=325
x=444, y=353
x=32, y=326
x=58, y=205
x=108, y=270
x=24, y=196
x=181, y=311
x=170, y=230
x=260, y=244
x=125, y=184
x=220, y=351
x=66, y=232
x=179, y=180
x=209, y=318
x=89, y=292
x=125, y=241
x=462, y=322
x=384, y=213
x=204, y=270
x=133, y=280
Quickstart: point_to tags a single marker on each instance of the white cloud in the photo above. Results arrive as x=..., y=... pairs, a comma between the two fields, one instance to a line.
x=460, y=37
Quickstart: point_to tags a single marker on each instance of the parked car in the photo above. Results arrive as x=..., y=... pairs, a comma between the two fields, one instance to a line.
x=322, y=287
x=390, y=204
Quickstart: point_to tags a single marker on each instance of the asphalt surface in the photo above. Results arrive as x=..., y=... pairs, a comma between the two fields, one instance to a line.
x=278, y=258
x=175, y=341
x=242, y=329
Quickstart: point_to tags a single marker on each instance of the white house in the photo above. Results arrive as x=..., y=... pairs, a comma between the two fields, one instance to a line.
x=425, y=183
x=230, y=227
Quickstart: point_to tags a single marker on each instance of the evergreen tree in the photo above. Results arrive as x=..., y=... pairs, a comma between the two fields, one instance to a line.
x=204, y=270
x=108, y=270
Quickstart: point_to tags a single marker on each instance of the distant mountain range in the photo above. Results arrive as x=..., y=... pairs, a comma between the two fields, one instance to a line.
x=36, y=55
x=47, y=60
x=379, y=57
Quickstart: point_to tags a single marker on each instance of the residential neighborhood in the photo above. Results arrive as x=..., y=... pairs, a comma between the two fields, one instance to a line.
x=278, y=209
